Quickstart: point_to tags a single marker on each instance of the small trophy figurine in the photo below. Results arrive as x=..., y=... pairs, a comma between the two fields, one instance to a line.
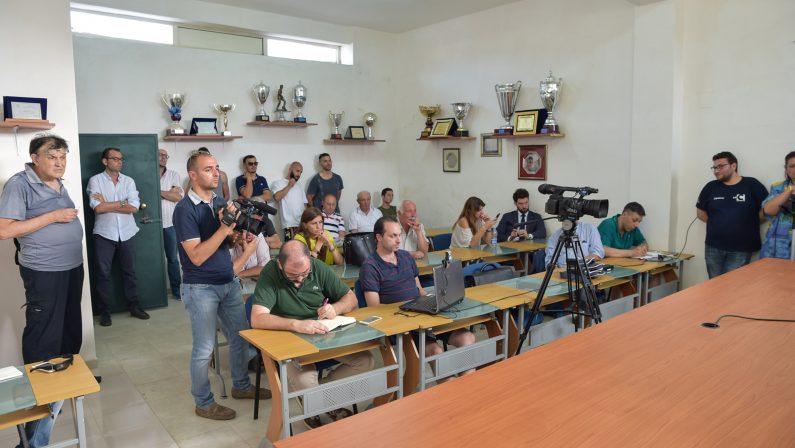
x=299, y=99
x=429, y=112
x=369, y=120
x=281, y=105
x=174, y=103
x=261, y=92
x=336, y=121
x=461, y=110
x=224, y=109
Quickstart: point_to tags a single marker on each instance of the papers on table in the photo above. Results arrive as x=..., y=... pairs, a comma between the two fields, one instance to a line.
x=8, y=373
x=338, y=321
x=650, y=255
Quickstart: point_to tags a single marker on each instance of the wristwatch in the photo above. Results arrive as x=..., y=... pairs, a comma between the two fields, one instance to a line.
x=123, y=203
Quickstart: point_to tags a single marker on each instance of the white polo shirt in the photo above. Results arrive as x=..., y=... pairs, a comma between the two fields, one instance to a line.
x=364, y=222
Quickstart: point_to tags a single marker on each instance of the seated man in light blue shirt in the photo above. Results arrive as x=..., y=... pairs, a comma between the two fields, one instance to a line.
x=590, y=241
x=114, y=198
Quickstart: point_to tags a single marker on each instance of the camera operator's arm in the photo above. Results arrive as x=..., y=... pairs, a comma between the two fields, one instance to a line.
x=199, y=251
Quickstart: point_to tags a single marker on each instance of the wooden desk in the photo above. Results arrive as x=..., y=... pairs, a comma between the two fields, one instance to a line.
x=689, y=385
x=436, y=231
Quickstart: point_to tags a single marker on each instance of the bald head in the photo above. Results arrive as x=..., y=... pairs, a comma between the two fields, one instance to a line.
x=363, y=198
x=295, y=171
x=293, y=251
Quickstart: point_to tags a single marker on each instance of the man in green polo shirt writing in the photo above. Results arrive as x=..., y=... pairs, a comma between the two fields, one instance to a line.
x=294, y=291
x=620, y=234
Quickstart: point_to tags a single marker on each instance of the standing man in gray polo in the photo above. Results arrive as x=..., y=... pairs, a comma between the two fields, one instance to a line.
x=114, y=198
x=36, y=210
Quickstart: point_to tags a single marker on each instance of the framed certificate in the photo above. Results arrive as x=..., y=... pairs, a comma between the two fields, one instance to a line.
x=443, y=127
x=199, y=126
x=355, y=133
x=19, y=107
x=490, y=146
x=526, y=122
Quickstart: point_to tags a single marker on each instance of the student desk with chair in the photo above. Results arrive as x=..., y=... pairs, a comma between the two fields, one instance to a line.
x=25, y=399
x=689, y=385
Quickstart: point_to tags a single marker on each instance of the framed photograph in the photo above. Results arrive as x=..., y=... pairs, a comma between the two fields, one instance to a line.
x=23, y=108
x=199, y=126
x=355, y=133
x=533, y=162
x=526, y=122
x=451, y=160
x=490, y=146
x=443, y=127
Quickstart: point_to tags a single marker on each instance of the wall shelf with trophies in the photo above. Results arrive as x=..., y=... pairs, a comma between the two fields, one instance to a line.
x=26, y=124
x=201, y=138
x=279, y=124
x=529, y=136
x=449, y=137
x=350, y=141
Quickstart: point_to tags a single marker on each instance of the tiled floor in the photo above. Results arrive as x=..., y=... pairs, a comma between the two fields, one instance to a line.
x=145, y=398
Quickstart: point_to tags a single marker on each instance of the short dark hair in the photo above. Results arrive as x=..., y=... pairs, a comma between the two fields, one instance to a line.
x=325, y=154
x=47, y=142
x=789, y=155
x=385, y=191
x=107, y=151
x=635, y=208
x=194, y=156
x=520, y=193
x=726, y=155
x=250, y=156
x=379, y=226
x=203, y=150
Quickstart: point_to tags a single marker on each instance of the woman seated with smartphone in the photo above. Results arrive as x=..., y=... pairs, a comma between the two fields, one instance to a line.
x=474, y=227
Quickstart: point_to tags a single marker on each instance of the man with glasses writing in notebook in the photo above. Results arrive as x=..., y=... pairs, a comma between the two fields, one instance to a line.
x=292, y=293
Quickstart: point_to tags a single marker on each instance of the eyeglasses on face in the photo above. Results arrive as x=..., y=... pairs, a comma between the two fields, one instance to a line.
x=293, y=277
x=116, y=159
x=164, y=156
x=719, y=167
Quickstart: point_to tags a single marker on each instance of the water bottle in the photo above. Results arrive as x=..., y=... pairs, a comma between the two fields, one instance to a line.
x=493, y=237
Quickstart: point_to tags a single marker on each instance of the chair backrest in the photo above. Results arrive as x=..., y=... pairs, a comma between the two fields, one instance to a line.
x=441, y=242
x=357, y=289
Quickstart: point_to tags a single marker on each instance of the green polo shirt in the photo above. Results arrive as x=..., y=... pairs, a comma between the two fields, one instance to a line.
x=283, y=299
x=608, y=230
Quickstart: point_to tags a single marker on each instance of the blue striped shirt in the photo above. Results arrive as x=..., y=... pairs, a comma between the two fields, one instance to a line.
x=393, y=283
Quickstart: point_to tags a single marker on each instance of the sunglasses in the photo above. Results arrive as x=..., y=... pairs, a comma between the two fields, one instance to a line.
x=50, y=367
x=253, y=163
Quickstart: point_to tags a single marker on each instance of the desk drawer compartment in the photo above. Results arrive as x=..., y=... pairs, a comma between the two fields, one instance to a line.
x=345, y=391
x=465, y=358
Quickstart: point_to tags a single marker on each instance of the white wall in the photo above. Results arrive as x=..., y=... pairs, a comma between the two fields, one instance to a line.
x=38, y=63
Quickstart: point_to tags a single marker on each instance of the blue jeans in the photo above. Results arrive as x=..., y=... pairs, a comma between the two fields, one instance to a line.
x=38, y=431
x=205, y=304
x=172, y=260
x=722, y=261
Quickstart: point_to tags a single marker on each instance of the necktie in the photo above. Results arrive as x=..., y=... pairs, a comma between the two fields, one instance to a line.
x=521, y=220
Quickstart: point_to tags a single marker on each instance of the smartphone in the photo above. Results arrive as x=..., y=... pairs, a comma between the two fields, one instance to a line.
x=370, y=320
x=497, y=218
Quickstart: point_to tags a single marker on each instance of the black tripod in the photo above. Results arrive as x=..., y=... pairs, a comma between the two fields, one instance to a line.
x=581, y=291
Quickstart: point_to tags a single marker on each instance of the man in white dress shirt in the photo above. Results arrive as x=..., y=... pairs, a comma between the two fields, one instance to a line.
x=364, y=216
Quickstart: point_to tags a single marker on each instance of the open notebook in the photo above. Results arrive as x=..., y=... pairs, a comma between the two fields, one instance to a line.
x=338, y=321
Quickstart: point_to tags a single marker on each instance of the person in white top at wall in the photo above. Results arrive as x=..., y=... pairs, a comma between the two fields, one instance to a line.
x=170, y=194
x=364, y=216
x=291, y=198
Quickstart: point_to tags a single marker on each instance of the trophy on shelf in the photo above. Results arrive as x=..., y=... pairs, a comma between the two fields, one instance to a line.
x=299, y=99
x=281, y=105
x=369, y=120
x=224, y=109
x=460, y=111
x=429, y=112
x=549, y=89
x=174, y=103
x=336, y=121
x=261, y=92
x=507, y=94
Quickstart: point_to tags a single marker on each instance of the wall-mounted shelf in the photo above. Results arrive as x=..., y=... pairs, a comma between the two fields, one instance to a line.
x=279, y=124
x=529, y=136
x=26, y=124
x=201, y=138
x=449, y=137
x=330, y=141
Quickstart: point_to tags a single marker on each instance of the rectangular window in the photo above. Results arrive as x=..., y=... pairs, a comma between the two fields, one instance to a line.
x=122, y=28
x=307, y=51
x=216, y=40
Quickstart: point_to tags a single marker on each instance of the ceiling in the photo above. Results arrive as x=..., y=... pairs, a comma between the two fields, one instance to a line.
x=393, y=16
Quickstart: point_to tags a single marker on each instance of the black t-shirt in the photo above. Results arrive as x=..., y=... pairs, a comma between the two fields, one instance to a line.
x=733, y=214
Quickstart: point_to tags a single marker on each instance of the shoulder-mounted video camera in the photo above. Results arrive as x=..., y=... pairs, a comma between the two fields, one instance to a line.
x=574, y=207
x=251, y=216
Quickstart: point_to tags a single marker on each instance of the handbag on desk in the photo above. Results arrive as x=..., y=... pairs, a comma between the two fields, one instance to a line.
x=358, y=246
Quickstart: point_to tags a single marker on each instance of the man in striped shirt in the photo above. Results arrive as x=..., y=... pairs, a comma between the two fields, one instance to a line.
x=333, y=222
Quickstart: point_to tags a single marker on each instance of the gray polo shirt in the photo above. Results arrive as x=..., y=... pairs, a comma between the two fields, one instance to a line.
x=54, y=247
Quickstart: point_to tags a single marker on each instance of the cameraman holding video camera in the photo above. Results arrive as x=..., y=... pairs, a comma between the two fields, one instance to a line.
x=209, y=288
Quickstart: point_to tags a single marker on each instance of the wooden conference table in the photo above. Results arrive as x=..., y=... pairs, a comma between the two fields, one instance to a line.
x=653, y=377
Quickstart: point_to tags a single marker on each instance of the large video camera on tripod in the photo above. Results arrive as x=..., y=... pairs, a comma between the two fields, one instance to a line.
x=581, y=291
x=251, y=216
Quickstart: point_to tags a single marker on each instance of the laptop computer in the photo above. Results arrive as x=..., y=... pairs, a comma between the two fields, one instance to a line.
x=449, y=284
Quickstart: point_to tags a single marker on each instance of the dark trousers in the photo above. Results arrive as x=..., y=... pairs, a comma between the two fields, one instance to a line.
x=172, y=259
x=53, y=322
x=105, y=250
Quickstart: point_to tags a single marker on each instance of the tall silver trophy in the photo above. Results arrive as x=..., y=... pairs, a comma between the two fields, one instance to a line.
x=224, y=109
x=549, y=89
x=460, y=111
x=336, y=121
x=299, y=99
x=507, y=94
x=369, y=121
x=174, y=103
x=261, y=92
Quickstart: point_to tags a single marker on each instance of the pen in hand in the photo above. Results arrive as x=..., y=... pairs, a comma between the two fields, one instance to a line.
x=325, y=302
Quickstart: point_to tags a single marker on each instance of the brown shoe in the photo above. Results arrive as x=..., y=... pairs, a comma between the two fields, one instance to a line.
x=264, y=394
x=216, y=412
x=313, y=422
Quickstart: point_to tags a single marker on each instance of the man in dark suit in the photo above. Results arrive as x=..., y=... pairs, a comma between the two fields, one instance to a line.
x=534, y=226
